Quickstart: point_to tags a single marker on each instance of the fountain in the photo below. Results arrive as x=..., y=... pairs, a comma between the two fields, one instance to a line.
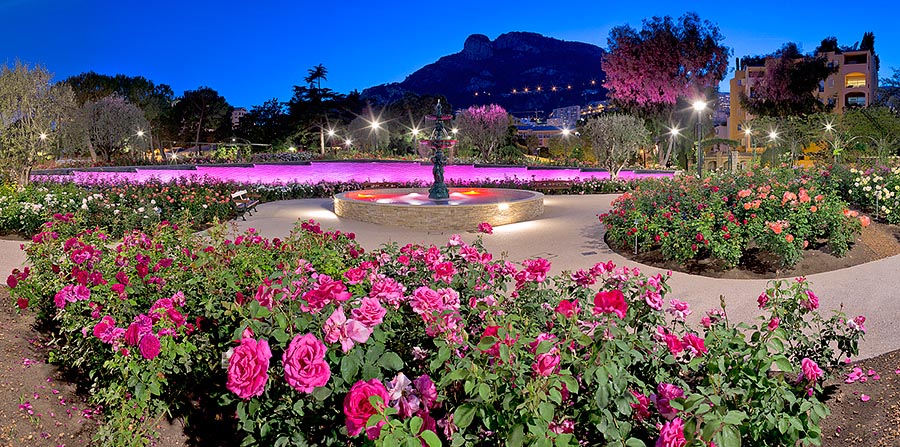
x=439, y=208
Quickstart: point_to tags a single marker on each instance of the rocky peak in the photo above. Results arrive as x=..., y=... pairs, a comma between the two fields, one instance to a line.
x=477, y=47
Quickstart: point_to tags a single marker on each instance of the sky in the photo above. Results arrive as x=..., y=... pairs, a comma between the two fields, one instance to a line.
x=253, y=51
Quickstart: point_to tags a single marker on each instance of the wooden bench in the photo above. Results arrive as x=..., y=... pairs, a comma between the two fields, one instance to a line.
x=244, y=203
x=547, y=186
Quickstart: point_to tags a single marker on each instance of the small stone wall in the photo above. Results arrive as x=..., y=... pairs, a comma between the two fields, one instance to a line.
x=441, y=217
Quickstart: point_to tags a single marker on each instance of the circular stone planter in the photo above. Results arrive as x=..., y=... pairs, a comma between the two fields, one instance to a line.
x=466, y=208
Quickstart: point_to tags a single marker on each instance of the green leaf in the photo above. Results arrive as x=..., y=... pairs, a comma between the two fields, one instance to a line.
x=391, y=360
x=464, y=415
x=457, y=374
x=634, y=442
x=484, y=391
x=734, y=417
x=783, y=364
x=349, y=368
x=321, y=393
x=728, y=437
x=415, y=424
x=431, y=439
x=487, y=342
x=516, y=437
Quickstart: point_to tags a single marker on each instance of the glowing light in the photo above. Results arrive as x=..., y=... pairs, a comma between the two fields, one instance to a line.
x=292, y=149
x=539, y=88
x=503, y=206
x=348, y=142
x=566, y=132
x=553, y=88
x=828, y=127
x=415, y=132
x=471, y=192
x=455, y=131
x=526, y=89
x=674, y=131
x=748, y=131
x=773, y=135
x=43, y=136
x=699, y=106
x=375, y=125
x=330, y=133
x=140, y=133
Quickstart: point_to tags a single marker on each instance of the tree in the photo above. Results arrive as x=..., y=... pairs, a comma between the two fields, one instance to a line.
x=788, y=85
x=199, y=113
x=109, y=126
x=874, y=127
x=32, y=112
x=889, y=91
x=616, y=139
x=266, y=123
x=316, y=75
x=648, y=70
x=483, y=127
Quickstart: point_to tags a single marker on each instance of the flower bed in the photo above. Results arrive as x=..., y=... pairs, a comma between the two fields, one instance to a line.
x=876, y=190
x=118, y=205
x=781, y=211
x=311, y=340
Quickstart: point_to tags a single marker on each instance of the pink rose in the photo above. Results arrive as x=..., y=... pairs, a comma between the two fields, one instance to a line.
x=665, y=392
x=546, y=363
x=811, y=370
x=444, y=271
x=642, y=407
x=426, y=301
x=679, y=309
x=773, y=323
x=567, y=308
x=149, y=346
x=370, y=313
x=674, y=344
x=304, y=363
x=485, y=228
x=107, y=331
x=762, y=300
x=536, y=269
x=672, y=434
x=355, y=275
x=811, y=302
x=358, y=409
x=694, y=344
x=612, y=302
x=388, y=291
x=339, y=329
x=248, y=368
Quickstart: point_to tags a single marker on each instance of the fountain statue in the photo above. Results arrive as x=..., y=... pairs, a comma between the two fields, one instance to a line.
x=439, y=140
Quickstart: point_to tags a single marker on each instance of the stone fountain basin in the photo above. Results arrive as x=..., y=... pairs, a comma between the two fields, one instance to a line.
x=465, y=209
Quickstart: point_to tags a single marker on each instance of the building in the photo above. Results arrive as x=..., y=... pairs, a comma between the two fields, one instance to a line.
x=853, y=85
x=565, y=117
x=236, y=115
x=543, y=132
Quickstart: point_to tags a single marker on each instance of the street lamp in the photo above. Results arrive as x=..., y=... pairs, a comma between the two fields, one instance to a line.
x=748, y=132
x=375, y=125
x=773, y=136
x=699, y=106
x=673, y=135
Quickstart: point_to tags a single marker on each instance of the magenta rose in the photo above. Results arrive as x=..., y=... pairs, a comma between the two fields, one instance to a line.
x=248, y=368
x=546, y=363
x=811, y=370
x=811, y=302
x=672, y=434
x=485, y=228
x=149, y=346
x=641, y=408
x=665, y=392
x=370, y=313
x=611, y=302
x=695, y=344
x=567, y=308
x=304, y=363
x=358, y=409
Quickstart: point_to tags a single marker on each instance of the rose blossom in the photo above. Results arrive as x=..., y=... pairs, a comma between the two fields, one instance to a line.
x=546, y=363
x=149, y=346
x=773, y=323
x=811, y=370
x=339, y=329
x=370, y=313
x=679, y=309
x=665, y=392
x=304, y=363
x=358, y=409
x=611, y=302
x=672, y=434
x=536, y=269
x=641, y=409
x=485, y=228
x=567, y=308
x=388, y=291
x=811, y=302
x=762, y=300
x=248, y=368
x=694, y=344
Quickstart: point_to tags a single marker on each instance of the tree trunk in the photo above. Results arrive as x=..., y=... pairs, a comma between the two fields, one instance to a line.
x=24, y=177
x=92, y=151
x=199, y=128
x=322, y=139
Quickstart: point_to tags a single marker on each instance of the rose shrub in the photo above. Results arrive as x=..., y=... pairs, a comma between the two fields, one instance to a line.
x=313, y=340
x=779, y=210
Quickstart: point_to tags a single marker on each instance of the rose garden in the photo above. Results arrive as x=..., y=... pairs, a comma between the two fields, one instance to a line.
x=165, y=291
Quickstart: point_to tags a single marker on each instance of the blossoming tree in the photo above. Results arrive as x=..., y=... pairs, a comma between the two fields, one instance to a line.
x=650, y=69
x=483, y=127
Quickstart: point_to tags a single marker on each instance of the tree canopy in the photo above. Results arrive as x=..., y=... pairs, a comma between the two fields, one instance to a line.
x=788, y=86
x=32, y=112
x=483, y=128
x=648, y=70
x=616, y=139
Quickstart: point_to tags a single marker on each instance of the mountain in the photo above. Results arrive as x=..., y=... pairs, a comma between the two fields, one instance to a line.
x=488, y=71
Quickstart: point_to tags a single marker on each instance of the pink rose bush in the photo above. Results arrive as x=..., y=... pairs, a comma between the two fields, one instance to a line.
x=313, y=339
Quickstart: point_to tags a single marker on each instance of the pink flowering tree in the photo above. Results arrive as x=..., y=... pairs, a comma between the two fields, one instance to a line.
x=650, y=69
x=483, y=128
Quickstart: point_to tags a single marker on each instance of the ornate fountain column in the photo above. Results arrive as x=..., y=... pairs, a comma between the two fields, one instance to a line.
x=440, y=140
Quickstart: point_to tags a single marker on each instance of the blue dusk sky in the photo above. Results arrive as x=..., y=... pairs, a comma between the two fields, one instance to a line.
x=252, y=51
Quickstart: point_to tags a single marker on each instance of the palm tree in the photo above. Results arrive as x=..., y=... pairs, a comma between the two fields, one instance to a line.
x=316, y=75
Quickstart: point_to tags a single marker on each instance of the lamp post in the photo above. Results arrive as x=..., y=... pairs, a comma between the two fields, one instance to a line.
x=246, y=142
x=699, y=106
x=773, y=136
x=673, y=135
x=748, y=132
x=375, y=125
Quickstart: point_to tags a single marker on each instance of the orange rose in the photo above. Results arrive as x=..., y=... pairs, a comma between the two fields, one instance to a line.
x=789, y=238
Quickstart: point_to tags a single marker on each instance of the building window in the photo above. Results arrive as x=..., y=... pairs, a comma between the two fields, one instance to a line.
x=854, y=80
x=831, y=82
x=821, y=86
x=856, y=100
